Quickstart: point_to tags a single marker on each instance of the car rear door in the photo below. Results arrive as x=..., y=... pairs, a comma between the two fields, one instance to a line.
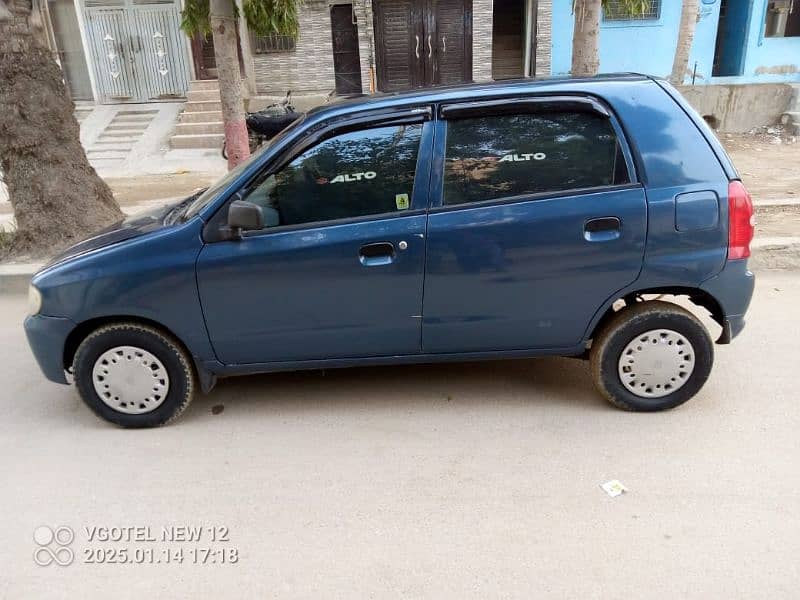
x=338, y=270
x=536, y=220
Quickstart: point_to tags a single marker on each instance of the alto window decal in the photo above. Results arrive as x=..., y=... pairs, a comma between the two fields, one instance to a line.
x=350, y=177
x=523, y=157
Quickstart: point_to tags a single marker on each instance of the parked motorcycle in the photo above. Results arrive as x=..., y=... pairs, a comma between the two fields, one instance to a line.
x=265, y=124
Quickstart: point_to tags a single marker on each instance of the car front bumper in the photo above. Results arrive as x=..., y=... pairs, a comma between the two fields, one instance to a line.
x=47, y=337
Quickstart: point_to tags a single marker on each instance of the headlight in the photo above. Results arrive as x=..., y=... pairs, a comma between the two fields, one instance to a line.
x=34, y=300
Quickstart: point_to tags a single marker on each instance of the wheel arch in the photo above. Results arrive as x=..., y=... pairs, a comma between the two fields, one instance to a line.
x=84, y=329
x=697, y=297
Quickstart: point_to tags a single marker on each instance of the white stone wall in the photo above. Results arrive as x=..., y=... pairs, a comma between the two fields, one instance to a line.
x=366, y=41
x=481, y=40
x=309, y=67
x=544, y=37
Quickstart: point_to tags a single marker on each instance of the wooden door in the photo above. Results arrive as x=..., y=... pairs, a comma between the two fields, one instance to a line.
x=423, y=42
x=346, y=59
x=451, y=29
x=399, y=40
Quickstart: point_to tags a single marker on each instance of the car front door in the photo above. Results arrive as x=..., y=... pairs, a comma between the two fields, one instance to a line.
x=337, y=271
x=535, y=222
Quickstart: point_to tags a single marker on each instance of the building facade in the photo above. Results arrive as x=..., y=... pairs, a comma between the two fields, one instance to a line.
x=134, y=51
x=736, y=41
x=388, y=45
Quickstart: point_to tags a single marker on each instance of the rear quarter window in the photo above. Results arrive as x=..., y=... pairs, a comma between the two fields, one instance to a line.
x=502, y=156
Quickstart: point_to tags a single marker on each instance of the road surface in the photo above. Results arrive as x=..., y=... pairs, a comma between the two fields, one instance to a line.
x=459, y=481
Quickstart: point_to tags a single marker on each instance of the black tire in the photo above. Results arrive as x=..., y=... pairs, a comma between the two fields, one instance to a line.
x=174, y=358
x=634, y=321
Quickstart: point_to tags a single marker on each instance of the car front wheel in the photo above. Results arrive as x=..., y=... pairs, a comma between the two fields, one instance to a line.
x=133, y=375
x=651, y=356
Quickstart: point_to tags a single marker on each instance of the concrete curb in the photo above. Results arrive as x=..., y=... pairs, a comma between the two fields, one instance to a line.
x=15, y=277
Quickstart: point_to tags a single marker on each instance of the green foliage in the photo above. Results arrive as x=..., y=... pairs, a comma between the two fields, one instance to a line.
x=194, y=18
x=263, y=16
x=272, y=16
x=629, y=7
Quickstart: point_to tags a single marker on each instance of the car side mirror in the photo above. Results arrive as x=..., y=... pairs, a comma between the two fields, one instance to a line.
x=244, y=216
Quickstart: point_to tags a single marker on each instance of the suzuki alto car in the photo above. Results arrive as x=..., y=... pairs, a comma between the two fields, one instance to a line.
x=506, y=220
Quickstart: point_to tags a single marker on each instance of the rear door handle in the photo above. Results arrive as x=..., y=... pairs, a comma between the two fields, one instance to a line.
x=602, y=229
x=379, y=253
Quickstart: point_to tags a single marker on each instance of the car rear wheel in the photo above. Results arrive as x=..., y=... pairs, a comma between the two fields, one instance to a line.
x=133, y=375
x=651, y=356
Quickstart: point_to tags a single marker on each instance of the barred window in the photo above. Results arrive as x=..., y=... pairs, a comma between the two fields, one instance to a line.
x=272, y=43
x=614, y=10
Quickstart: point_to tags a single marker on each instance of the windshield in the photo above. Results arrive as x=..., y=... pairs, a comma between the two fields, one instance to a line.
x=210, y=194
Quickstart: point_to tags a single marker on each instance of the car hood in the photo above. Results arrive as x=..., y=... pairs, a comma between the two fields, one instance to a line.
x=126, y=229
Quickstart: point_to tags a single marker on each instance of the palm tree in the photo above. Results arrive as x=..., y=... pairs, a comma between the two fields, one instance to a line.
x=57, y=196
x=219, y=18
x=586, y=32
x=685, y=39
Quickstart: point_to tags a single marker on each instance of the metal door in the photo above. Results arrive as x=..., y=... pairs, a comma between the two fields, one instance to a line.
x=138, y=50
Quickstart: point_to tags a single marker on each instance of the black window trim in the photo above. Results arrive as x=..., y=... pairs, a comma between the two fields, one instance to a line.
x=316, y=134
x=533, y=104
x=453, y=110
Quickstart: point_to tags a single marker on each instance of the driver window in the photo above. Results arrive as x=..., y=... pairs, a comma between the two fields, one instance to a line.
x=354, y=174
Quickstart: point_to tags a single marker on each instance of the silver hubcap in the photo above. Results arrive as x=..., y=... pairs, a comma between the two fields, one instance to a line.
x=656, y=363
x=130, y=380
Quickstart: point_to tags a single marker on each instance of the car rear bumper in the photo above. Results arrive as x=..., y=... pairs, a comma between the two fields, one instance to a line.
x=733, y=289
x=47, y=336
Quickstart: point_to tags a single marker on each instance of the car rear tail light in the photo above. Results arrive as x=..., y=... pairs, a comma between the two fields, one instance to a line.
x=741, y=221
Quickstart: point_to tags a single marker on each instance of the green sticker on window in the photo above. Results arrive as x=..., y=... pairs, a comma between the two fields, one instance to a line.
x=401, y=200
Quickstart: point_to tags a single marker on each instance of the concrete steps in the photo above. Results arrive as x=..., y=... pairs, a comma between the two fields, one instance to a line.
x=203, y=116
x=200, y=124
x=199, y=128
x=119, y=137
x=206, y=95
x=201, y=140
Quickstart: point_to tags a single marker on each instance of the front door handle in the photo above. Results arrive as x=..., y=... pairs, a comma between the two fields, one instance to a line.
x=416, y=47
x=430, y=48
x=379, y=253
x=602, y=229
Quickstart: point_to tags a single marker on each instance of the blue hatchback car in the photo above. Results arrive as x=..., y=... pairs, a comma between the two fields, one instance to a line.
x=506, y=220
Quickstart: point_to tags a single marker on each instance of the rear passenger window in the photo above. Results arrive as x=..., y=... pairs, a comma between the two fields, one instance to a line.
x=493, y=157
x=354, y=174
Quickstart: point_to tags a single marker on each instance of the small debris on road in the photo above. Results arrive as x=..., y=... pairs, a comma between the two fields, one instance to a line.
x=217, y=409
x=614, y=488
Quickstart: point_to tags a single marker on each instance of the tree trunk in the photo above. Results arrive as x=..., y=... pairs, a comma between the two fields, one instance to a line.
x=57, y=196
x=586, y=38
x=226, y=52
x=685, y=38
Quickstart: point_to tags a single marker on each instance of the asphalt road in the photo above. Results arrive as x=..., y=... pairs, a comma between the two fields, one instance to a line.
x=468, y=481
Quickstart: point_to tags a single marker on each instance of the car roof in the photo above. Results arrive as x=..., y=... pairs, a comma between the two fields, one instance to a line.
x=350, y=104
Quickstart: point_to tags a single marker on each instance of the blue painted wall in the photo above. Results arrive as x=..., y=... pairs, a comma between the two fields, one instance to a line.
x=649, y=46
x=769, y=60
